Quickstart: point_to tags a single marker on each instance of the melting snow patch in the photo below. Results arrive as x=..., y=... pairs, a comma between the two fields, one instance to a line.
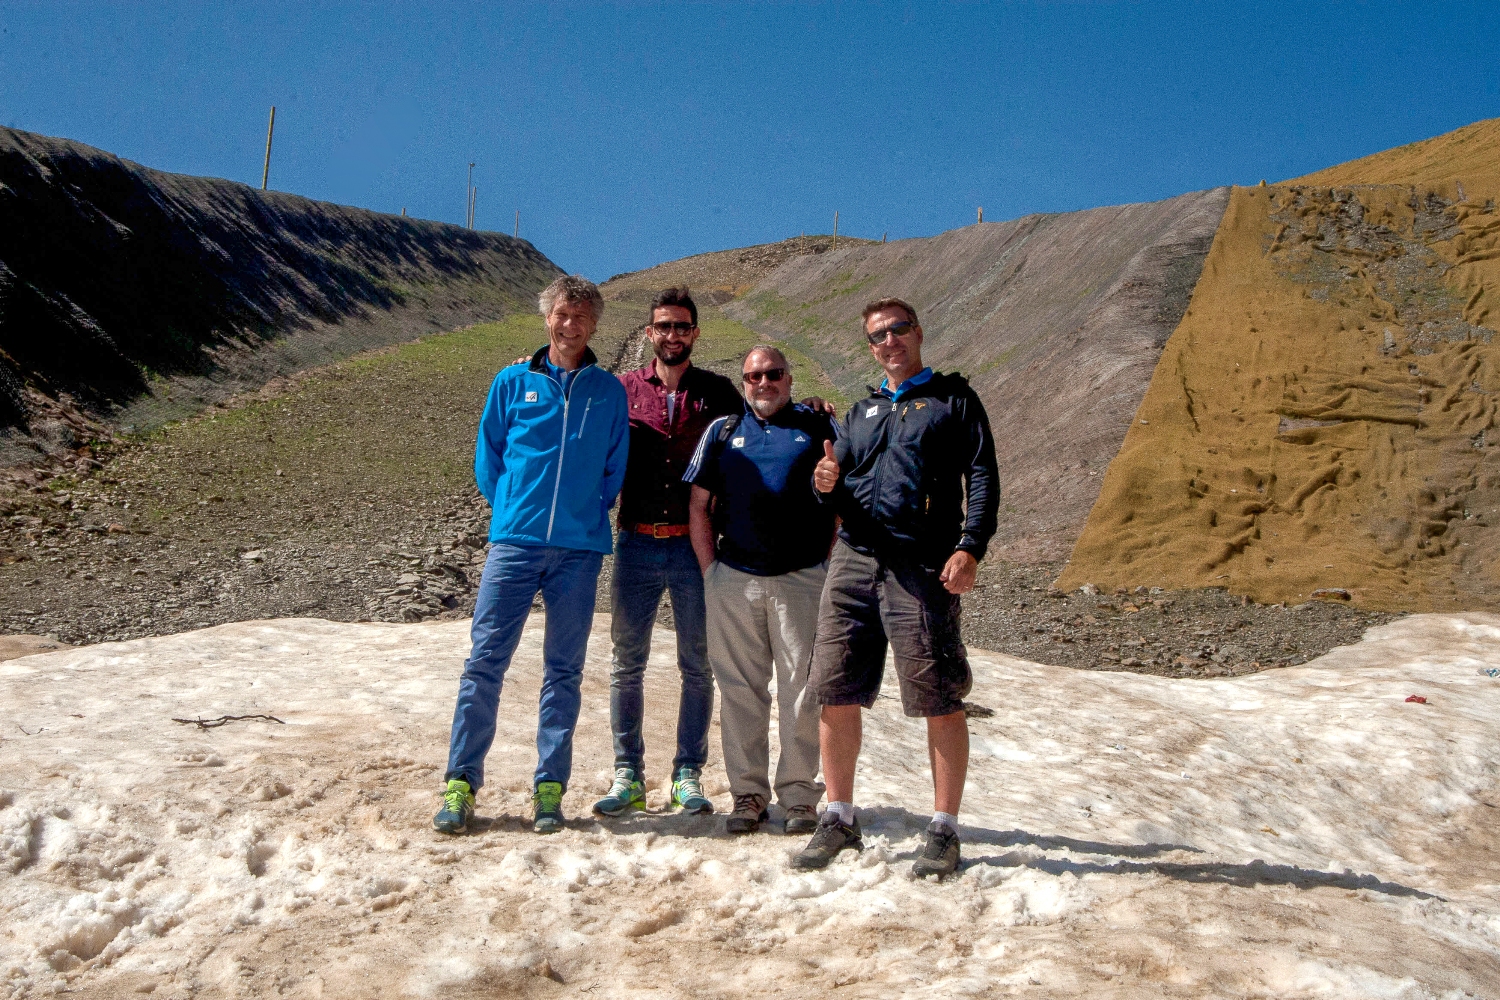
x=1301, y=832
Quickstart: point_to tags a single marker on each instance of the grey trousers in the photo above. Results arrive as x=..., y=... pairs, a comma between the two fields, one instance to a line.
x=757, y=624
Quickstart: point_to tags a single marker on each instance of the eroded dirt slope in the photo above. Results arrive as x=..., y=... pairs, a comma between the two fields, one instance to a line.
x=1056, y=319
x=130, y=297
x=1324, y=417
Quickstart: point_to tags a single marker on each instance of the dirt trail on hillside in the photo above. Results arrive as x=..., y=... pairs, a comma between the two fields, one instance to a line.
x=1324, y=417
x=1057, y=320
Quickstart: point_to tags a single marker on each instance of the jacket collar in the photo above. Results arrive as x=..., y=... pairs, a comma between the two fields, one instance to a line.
x=539, y=359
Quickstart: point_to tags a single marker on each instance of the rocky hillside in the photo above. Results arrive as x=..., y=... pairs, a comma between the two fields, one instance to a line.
x=1058, y=320
x=1323, y=421
x=129, y=296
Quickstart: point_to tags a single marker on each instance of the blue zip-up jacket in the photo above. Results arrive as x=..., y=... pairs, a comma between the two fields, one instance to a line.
x=551, y=465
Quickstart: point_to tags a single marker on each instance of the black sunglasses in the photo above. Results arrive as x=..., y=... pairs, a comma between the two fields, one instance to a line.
x=770, y=375
x=680, y=327
x=899, y=329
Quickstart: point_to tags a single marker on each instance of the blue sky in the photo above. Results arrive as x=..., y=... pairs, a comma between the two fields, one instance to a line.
x=631, y=134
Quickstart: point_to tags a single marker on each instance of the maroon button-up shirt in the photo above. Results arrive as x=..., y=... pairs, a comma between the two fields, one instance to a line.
x=660, y=451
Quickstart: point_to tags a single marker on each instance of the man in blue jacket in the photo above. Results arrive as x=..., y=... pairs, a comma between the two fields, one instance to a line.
x=550, y=459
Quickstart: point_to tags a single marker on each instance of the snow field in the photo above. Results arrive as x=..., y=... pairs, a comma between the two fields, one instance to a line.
x=1301, y=832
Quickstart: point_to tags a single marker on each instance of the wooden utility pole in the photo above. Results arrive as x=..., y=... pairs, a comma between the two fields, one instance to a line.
x=473, y=204
x=518, y=223
x=835, y=232
x=265, y=174
x=403, y=211
x=469, y=198
x=981, y=213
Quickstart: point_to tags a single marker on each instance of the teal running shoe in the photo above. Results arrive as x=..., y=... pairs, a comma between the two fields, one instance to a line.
x=547, y=803
x=628, y=792
x=458, y=808
x=687, y=791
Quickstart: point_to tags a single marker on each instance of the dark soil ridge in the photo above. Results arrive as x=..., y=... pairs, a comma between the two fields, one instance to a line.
x=131, y=297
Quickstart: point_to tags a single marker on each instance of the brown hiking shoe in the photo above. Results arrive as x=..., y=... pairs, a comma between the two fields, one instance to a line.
x=800, y=820
x=749, y=813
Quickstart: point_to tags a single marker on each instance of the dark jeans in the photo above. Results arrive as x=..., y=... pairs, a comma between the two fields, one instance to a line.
x=644, y=568
x=513, y=574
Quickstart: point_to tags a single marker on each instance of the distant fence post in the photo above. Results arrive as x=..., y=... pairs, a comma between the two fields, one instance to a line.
x=265, y=174
x=518, y=223
x=981, y=213
x=835, y=232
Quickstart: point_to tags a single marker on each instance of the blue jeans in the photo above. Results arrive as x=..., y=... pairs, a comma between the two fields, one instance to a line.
x=644, y=567
x=512, y=576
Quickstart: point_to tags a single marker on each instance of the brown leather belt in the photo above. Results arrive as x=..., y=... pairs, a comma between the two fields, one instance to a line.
x=661, y=530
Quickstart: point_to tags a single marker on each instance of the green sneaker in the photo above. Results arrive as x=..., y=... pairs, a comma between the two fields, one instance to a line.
x=458, y=808
x=547, y=803
x=628, y=792
x=687, y=791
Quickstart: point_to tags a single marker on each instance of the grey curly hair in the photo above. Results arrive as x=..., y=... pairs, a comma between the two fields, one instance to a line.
x=571, y=288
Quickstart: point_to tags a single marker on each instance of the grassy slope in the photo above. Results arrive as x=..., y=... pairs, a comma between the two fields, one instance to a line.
x=1324, y=416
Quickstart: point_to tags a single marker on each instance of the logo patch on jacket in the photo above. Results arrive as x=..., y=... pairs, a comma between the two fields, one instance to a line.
x=800, y=439
x=738, y=442
x=531, y=397
x=872, y=411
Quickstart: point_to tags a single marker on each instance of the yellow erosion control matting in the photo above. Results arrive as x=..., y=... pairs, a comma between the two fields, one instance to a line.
x=1324, y=417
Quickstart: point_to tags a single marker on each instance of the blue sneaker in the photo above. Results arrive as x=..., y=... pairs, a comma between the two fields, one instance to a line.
x=547, y=803
x=687, y=791
x=628, y=792
x=458, y=808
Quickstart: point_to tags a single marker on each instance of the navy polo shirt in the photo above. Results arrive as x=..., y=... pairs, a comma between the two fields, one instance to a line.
x=766, y=516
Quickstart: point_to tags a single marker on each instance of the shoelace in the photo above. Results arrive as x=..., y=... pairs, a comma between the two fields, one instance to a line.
x=455, y=800
x=749, y=802
x=689, y=788
x=624, y=778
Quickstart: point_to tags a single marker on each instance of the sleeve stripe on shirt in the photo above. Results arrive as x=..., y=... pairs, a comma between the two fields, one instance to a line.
x=710, y=433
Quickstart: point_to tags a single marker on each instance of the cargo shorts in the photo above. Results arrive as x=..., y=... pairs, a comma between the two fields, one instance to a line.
x=867, y=603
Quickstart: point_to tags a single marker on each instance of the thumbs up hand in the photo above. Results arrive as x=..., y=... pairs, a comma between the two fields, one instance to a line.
x=826, y=474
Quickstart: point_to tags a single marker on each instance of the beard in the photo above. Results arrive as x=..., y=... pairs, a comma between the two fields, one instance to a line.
x=765, y=408
x=671, y=354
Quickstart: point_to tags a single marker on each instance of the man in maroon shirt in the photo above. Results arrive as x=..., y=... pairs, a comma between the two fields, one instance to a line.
x=670, y=403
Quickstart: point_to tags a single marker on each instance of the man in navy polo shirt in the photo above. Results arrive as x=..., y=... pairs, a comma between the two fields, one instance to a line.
x=762, y=537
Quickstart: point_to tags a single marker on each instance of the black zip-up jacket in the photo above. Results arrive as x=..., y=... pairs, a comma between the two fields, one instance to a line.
x=909, y=465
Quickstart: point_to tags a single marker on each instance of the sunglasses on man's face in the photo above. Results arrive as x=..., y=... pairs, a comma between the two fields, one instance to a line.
x=666, y=328
x=769, y=374
x=878, y=337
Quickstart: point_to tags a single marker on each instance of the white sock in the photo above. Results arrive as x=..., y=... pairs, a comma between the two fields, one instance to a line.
x=946, y=820
x=844, y=811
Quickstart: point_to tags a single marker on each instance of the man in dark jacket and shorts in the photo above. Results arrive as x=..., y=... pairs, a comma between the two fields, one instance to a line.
x=914, y=480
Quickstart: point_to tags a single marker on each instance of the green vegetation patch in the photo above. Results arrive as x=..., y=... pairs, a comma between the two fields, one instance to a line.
x=392, y=426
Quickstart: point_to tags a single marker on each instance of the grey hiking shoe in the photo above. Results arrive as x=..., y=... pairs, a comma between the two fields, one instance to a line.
x=628, y=792
x=801, y=820
x=832, y=836
x=749, y=813
x=939, y=855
